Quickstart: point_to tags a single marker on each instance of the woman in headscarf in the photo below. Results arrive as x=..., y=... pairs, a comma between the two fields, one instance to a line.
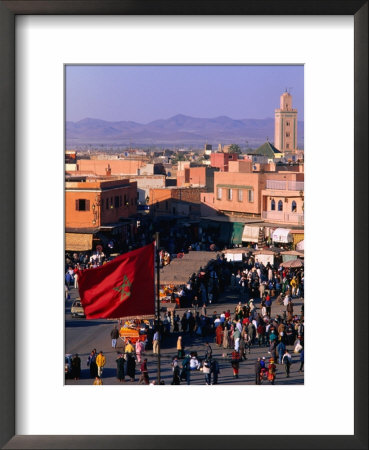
x=219, y=335
x=225, y=337
x=131, y=366
x=120, y=367
x=76, y=367
x=139, y=349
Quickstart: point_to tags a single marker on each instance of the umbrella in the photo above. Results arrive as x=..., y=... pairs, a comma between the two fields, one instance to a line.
x=293, y=263
x=300, y=245
x=293, y=253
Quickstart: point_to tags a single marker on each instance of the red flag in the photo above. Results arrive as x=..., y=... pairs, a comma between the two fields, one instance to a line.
x=123, y=287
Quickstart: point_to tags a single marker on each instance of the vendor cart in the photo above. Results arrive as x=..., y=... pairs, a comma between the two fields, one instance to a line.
x=132, y=334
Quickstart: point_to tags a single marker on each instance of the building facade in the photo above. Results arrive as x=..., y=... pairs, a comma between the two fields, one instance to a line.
x=221, y=160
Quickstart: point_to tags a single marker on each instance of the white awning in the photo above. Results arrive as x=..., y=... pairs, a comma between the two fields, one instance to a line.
x=282, y=235
x=250, y=234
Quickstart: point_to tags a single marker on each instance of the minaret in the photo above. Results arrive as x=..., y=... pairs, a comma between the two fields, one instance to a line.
x=285, y=125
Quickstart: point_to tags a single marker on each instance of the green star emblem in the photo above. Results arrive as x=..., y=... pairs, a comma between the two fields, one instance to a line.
x=124, y=288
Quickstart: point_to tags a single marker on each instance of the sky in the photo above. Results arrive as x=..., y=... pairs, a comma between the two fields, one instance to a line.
x=146, y=93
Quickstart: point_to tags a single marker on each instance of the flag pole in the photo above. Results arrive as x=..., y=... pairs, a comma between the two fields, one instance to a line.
x=158, y=298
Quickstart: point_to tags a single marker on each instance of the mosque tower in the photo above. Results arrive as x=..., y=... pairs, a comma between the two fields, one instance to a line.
x=285, y=125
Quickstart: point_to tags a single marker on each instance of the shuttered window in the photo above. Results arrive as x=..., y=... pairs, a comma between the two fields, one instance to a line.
x=82, y=204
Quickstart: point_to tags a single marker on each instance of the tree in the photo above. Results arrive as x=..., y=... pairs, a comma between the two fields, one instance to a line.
x=178, y=157
x=234, y=148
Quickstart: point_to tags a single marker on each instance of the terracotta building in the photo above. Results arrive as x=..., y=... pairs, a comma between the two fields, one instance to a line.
x=241, y=191
x=174, y=201
x=195, y=176
x=97, y=210
x=221, y=160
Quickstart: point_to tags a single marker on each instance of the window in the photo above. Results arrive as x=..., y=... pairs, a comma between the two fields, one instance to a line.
x=230, y=194
x=280, y=205
x=250, y=194
x=125, y=200
x=272, y=205
x=111, y=202
x=120, y=200
x=240, y=195
x=107, y=203
x=288, y=124
x=219, y=193
x=288, y=134
x=187, y=175
x=116, y=201
x=294, y=206
x=82, y=205
x=287, y=145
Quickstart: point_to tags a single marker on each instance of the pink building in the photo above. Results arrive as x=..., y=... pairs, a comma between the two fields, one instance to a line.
x=191, y=176
x=283, y=200
x=221, y=160
x=244, y=192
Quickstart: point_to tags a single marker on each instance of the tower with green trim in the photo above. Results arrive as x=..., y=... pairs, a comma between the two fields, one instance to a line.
x=285, y=125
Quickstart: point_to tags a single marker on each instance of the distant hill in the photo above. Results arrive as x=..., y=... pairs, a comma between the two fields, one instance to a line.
x=177, y=130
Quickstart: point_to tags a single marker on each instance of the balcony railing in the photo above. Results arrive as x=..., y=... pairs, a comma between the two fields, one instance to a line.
x=281, y=216
x=285, y=185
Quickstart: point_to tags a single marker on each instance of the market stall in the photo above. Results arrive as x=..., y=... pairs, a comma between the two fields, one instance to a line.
x=282, y=236
x=131, y=330
x=291, y=255
x=265, y=257
x=293, y=264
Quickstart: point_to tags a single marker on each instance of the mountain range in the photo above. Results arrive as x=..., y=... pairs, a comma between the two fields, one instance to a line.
x=179, y=130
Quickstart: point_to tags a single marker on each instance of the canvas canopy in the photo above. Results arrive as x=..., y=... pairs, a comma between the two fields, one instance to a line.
x=250, y=234
x=282, y=235
x=291, y=255
x=293, y=263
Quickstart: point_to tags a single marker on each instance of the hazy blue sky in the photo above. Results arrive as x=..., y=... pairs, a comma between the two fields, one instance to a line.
x=146, y=93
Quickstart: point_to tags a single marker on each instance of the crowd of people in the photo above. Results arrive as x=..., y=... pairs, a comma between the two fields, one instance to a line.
x=236, y=332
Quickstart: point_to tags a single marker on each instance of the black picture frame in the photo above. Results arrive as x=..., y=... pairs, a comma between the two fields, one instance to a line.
x=8, y=12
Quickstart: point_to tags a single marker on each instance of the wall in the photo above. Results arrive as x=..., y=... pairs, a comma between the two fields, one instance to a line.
x=184, y=201
x=145, y=183
x=118, y=167
x=240, y=166
x=256, y=181
x=221, y=160
x=208, y=204
x=191, y=176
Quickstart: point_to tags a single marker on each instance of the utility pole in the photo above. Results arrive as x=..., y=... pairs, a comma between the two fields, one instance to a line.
x=158, y=299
